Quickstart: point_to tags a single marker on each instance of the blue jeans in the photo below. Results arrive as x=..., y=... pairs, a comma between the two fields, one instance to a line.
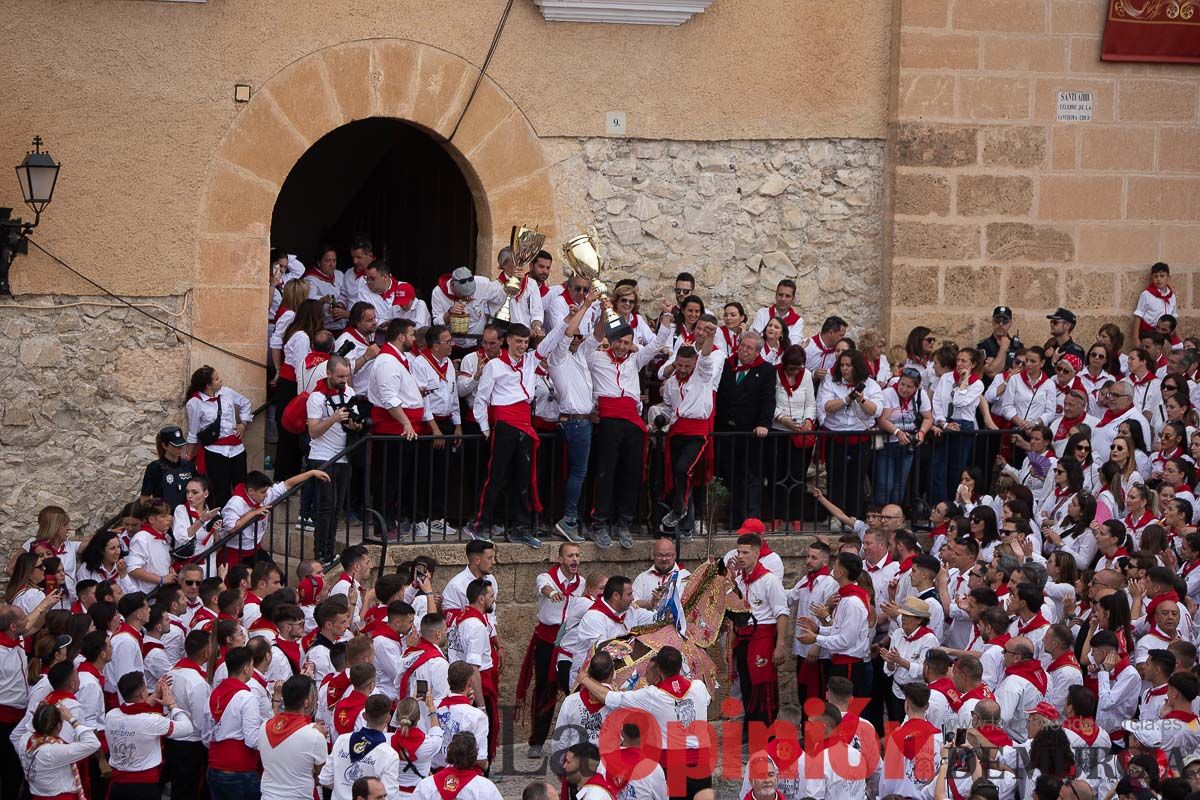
x=950, y=457
x=892, y=465
x=233, y=785
x=578, y=435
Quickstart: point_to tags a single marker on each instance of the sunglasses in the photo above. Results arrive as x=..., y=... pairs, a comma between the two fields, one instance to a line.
x=909, y=372
x=931, y=338
x=191, y=583
x=1063, y=370
x=1098, y=355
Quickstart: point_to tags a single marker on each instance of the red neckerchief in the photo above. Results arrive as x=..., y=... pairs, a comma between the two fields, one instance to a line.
x=1035, y=622
x=789, y=388
x=400, y=294
x=876, y=567
x=1163, y=458
x=912, y=736
x=731, y=340
x=606, y=610
x=543, y=289
x=996, y=735
x=789, y=319
x=918, y=633
x=503, y=278
x=1142, y=522
x=428, y=651
x=148, y=528
x=1154, y=631
x=441, y=370
x=1002, y=590
x=980, y=692
x=750, y=795
x=602, y=782
x=283, y=725
x=566, y=589
x=384, y=631
x=1154, y=290
x=1067, y=659
x=346, y=711
x=738, y=366
x=449, y=781
x=1189, y=568
x=1084, y=727
x=314, y=358
x=687, y=336
x=1120, y=552
x=291, y=651
x=407, y=744
x=1031, y=671
x=454, y=700
x=338, y=684
x=1142, y=381
x=149, y=647
x=88, y=667
x=676, y=686
x=140, y=708
x=471, y=612
x=1183, y=716
x=767, y=351
x=187, y=663
x=390, y=350
x=356, y=336
x=754, y=574
x=1032, y=387
x=240, y=491
x=856, y=591
x=222, y=695
x=811, y=578
x=127, y=628
x=504, y=356
x=905, y=565
x=590, y=703
x=313, y=272
x=1074, y=384
x=1065, y=425
x=946, y=687
x=54, y=698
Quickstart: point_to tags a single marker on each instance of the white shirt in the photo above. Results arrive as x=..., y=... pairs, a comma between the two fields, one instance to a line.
x=848, y=634
x=461, y=717
x=1103, y=435
x=433, y=672
x=134, y=740
x=613, y=378
x=339, y=772
x=48, y=768
x=552, y=612
x=1034, y=403
x=646, y=582
x=442, y=397
x=422, y=760
x=479, y=788
x=810, y=590
x=295, y=351
x=126, y=658
x=392, y=384
x=665, y=707
x=201, y=411
x=1015, y=694
x=360, y=377
x=1059, y=681
x=798, y=406
x=471, y=641
x=1118, y=697
x=1150, y=307
x=333, y=440
x=907, y=417
x=191, y=692
x=321, y=286
x=488, y=297
x=504, y=383
x=241, y=720
x=387, y=305
x=454, y=596
x=952, y=402
x=765, y=315
x=596, y=627
x=527, y=305
x=91, y=700
x=817, y=356
x=251, y=535
x=288, y=768
x=569, y=371
x=693, y=398
x=914, y=651
x=765, y=596
x=848, y=418
x=148, y=552
x=575, y=723
x=1093, y=386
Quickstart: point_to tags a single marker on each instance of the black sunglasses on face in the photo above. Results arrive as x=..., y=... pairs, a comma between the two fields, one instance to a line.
x=191, y=583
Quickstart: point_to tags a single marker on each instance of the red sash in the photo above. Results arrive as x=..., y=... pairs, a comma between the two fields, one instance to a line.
x=347, y=710
x=428, y=651
x=229, y=755
x=947, y=688
x=980, y=692
x=1084, y=727
x=624, y=408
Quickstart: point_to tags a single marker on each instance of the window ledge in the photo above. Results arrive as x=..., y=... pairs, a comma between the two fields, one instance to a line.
x=627, y=12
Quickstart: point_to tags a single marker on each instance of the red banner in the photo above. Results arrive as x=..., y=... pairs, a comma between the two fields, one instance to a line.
x=1166, y=31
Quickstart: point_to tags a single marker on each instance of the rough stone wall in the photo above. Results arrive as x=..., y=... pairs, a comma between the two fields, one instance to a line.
x=87, y=385
x=997, y=202
x=739, y=215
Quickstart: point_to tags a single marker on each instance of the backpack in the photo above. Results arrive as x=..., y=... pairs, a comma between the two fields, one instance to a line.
x=295, y=414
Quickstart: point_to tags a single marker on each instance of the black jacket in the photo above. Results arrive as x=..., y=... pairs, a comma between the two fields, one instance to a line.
x=745, y=405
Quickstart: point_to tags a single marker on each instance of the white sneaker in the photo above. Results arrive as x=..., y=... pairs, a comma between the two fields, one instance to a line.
x=442, y=528
x=421, y=531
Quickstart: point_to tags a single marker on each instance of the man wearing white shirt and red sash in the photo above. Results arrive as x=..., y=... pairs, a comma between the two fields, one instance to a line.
x=1163, y=629
x=126, y=643
x=1030, y=623
x=328, y=284
x=461, y=779
x=459, y=711
x=846, y=636
x=820, y=350
x=1160, y=665
x=389, y=638
x=399, y=410
x=135, y=730
x=233, y=761
x=438, y=379
x=1062, y=669
x=14, y=692
x=426, y=662
x=612, y=614
x=393, y=299
x=561, y=301
x=187, y=755
x=472, y=639
x=785, y=295
x=292, y=745
x=1024, y=685
x=502, y=409
x=967, y=674
x=555, y=589
x=761, y=650
x=619, y=443
x=526, y=304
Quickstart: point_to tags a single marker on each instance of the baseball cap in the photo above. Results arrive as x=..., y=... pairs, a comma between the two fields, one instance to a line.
x=752, y=525
x=1002, y=312
x=462, y=282
x=172, y=435
x=1064, y=315
x=1046, y=710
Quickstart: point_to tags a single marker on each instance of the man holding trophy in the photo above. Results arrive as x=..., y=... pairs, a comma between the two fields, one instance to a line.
x=524, y=294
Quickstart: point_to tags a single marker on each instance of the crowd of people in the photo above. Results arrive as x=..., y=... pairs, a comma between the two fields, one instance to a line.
x=1036, y=642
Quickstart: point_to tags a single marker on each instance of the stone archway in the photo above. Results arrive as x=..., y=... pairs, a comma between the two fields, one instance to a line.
x=495, y=146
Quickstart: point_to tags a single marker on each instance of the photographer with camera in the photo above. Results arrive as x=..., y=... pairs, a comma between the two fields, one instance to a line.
x=848, y=405
x=331, y=413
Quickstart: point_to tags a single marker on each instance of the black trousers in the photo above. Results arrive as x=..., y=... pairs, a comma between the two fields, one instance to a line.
x=289, y=450
x=223, y=474
x=847, y=463
x=437, y=471
x=859, y=673
x=330, y=498
x=187, y=763
x=510, y=469
x=685, y=458
x=394, y=479
x=618, y=448
x=134, y=791
x=545, y=692
x=12, y=778
x=881, y=685
x=741, y=463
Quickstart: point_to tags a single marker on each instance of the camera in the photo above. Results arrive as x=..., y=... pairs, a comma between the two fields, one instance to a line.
x=358, y=408
x=346, y=347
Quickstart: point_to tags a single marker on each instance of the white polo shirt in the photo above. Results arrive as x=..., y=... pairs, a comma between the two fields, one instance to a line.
x=288, y=767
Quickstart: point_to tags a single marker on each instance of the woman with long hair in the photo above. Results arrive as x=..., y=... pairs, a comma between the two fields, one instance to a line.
x=1066, y=482
x=848, y=403
x=1039, y=457
x=294, y=295
x=1180, y=474
x=1176, y=408
x=1113, y=340
x=733, y=326
x=690, y=311
x=416, y=747
x=1062, y=573
x=1111, y=613
x=53, y=538
x=101, y=559
x=1122, y=455
x=959, y=394
x=217, y=417
x=775, y=340
x=226, y=633
x=1141, y=506
x=195, y=521
x=1074, y=534
x=1094, y=375
x=297, y=344
x=985, y=530
x=25, y=583
x=796, y=413
x=1079, y=447
x=906, y=419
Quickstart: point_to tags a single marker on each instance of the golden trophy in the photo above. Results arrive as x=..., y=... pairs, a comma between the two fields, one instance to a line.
x=525, y=245
x=583, y=257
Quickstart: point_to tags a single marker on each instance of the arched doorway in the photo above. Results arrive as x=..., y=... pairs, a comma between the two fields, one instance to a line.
x=389, y=181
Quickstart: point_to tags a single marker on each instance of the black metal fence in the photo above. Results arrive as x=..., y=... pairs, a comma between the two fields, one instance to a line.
x=390, y=491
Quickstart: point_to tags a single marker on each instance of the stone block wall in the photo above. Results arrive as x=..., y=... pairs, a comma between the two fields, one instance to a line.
x=993, y=201
x=87, y=385
x=738, y=215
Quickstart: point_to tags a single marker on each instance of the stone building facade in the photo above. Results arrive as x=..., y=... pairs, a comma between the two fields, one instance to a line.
x=913, y=170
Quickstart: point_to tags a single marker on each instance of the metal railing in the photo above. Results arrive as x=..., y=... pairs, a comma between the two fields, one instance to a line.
x=396, y=489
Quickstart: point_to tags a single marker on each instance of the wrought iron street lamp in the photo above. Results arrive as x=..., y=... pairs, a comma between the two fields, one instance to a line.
x=37, y=174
